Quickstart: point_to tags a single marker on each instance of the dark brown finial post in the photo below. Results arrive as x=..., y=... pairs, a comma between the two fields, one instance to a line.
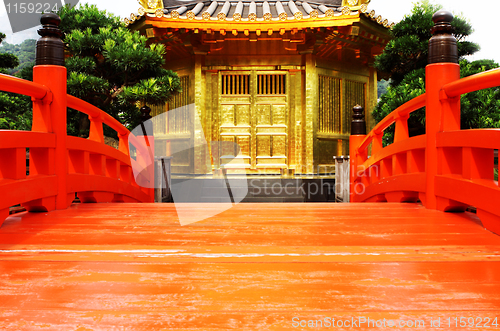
x=50, y=48
x=147, y=126
x=358, y=134
x=146, y=113
x=443, y=45
x=358, y=124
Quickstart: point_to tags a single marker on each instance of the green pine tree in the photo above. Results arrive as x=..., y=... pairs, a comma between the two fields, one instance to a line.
x=15, y=109
x=409, y=48
x=112, y=67
x=405, y=59
x=25, y=53
x=7, y=61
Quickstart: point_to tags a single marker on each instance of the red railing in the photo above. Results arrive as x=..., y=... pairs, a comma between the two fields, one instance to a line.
x=447, y=168
x=370, y=181
x=61, y=166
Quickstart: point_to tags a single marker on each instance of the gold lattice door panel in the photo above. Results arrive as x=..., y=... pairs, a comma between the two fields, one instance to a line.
x=235, y=121
x=271, y=121
x=253, y=121
x=271, y=132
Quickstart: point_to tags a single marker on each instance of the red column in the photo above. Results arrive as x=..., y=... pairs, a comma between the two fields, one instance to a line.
x=441, y=113
x=54, y=77
x=437, y=75
x=50, y=114
x=356, y=159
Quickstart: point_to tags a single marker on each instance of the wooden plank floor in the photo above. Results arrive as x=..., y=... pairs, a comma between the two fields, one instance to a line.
x=253, y=267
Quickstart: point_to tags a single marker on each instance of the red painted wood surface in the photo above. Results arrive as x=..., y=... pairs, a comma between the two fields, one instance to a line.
x=62, y=166
x=447, y=169
x=253, y=267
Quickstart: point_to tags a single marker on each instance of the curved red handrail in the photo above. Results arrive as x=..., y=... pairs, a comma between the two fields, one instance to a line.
x=93, y=111
x=20, y=86
x=95, y=171
x=99, y=117
x=96, y=113
x=480, y=81
x=465, y=85
x=401, y=112
x=447, y=168
x=409, y=144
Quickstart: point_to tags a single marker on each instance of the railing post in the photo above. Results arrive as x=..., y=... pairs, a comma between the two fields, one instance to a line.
x=441, y=113
x=148, y=180
x=358, y=134
x=49, y=114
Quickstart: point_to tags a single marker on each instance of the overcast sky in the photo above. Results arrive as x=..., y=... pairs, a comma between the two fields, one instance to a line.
x=483, y=19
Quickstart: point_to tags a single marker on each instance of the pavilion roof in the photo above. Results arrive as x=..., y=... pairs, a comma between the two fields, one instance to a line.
x=258, y=12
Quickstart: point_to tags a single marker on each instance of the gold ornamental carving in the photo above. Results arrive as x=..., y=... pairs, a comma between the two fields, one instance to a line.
x=355, y=5
x=151, y=6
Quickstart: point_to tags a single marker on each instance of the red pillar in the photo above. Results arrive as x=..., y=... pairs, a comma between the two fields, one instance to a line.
x=50, y=114
x=437, y=75
x=54, y=77
x=441, y=112
x=356, y=160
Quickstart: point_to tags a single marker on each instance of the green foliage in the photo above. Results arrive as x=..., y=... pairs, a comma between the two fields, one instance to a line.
x=86, y=17
x=26, y=72
x=412, y=86
x=7, y=61
x=478, y=109
x=152, y=89
x=109, y=66
x=112, y=67
x=15, y=109
x=409, y=48
x=24, y=52
x=382, y=87
x=405, y=58
x=15, y=112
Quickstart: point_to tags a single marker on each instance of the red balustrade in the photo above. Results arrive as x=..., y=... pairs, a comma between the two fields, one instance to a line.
x=447, y=168
x=396, y=172
x=61, y=166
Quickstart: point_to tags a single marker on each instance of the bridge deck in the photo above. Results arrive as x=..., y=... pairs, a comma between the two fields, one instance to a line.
x=254, y=267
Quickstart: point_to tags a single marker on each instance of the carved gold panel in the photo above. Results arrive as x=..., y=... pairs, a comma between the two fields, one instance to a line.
x=227, y=114
x=263, y=145
x=272, y=131
x=279, y=145
x=279, y=114
x=244, y=145
x=227, y=149
x=264, y=114
x=242, y=115
x=253, y=113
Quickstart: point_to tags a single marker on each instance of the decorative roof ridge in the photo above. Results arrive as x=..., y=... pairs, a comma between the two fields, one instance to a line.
x=218, y=10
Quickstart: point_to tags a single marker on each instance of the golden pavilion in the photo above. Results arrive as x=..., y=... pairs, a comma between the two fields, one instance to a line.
x=277, y=78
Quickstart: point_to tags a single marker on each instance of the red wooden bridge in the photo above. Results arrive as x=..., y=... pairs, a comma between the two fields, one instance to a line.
x=116, y=261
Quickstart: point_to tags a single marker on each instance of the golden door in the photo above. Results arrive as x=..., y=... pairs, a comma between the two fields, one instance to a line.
x=253, y=121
